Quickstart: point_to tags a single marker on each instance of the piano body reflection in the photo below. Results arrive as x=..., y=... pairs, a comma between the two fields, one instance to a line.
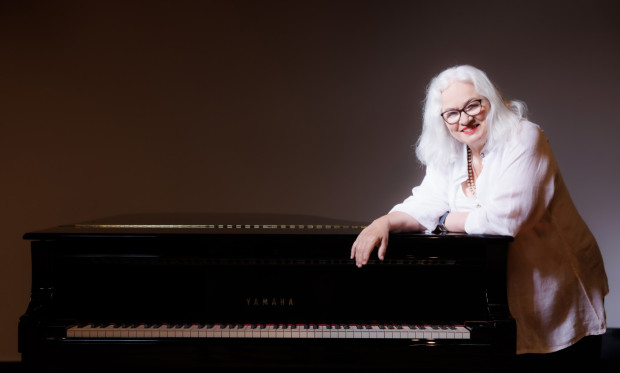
x=243, y=291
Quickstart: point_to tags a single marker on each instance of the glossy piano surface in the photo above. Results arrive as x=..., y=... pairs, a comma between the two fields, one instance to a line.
x=241, y=291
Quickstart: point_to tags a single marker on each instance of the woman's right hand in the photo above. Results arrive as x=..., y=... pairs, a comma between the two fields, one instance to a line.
x=374, y=235
x=377, y=234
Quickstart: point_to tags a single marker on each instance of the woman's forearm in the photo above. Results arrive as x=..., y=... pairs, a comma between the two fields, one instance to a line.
x=402, y=222
x=455, y=221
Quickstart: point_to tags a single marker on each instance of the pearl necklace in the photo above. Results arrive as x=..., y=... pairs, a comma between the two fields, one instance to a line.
x=471, y=174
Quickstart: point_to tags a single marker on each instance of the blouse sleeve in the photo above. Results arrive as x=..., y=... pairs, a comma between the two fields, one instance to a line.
x=429, y=200
x=522, y=186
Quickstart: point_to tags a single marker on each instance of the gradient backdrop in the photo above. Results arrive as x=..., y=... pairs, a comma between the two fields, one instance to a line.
x=308, y=107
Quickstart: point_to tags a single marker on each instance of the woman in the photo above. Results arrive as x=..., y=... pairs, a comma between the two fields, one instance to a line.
x=490, y=171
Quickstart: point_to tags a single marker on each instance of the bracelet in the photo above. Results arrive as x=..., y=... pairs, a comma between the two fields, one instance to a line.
x=441, y=228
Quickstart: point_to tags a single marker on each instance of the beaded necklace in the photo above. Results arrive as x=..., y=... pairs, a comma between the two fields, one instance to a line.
x=471, y=174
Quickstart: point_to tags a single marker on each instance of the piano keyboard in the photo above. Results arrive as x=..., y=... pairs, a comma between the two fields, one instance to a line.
x=325, y=331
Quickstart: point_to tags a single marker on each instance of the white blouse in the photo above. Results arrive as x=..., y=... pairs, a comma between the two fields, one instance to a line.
x=556, y=276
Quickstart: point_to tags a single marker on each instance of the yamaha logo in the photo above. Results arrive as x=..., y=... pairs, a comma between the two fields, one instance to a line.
x=269, y=302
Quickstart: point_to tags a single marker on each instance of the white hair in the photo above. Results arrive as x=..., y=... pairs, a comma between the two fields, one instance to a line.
x=435, y=145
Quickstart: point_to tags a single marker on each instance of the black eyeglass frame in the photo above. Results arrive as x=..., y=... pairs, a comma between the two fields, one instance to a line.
x=479, y=100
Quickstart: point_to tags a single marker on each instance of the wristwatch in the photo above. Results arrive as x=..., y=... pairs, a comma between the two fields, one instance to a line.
x=441, y=228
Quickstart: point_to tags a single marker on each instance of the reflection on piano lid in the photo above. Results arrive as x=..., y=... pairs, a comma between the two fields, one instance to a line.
x=271, y=291
x=209, y=223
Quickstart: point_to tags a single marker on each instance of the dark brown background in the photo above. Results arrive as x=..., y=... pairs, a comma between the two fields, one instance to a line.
x=309, y=107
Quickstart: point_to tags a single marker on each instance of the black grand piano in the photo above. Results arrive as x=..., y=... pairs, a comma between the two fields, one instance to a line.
x=237, y=292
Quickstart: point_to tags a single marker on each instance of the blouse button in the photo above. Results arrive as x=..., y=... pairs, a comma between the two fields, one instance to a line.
x=482, y=155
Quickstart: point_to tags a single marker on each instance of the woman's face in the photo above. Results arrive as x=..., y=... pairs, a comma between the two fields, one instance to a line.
x=469, y=129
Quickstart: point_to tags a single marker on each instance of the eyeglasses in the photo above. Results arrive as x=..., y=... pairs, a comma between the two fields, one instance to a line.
x=473, y=107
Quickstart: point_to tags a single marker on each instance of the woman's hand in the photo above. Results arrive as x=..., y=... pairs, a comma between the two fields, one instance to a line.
x=377, y=234
x=374, y=235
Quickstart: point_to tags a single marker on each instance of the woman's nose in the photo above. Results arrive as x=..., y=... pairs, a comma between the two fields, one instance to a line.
x=465, y=119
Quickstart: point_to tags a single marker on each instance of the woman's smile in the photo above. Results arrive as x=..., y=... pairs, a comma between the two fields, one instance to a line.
x=470, y=128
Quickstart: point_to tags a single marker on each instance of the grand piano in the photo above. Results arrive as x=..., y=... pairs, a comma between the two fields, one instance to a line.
x=228, y=292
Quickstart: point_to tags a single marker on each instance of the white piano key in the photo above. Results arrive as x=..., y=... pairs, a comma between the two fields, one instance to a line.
x=357, y=333
x=312, y=332
x=288, y=332
x=246, y=331
x=349, y=332
x=342, y=333
x=108, y=331
x=279, y=331
x=465, y=330
x=139, y=330
x=214, y=332
x=193, y=331
x=256, y=332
